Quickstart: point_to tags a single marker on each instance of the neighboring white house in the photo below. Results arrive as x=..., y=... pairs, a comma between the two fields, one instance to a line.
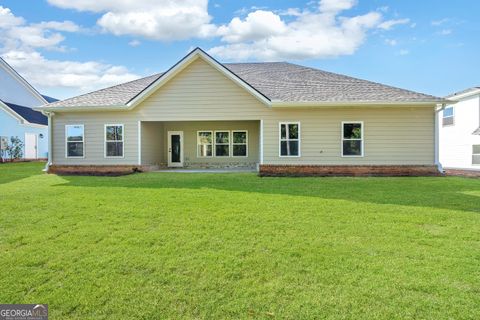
x=460, y=132
x=17, y=118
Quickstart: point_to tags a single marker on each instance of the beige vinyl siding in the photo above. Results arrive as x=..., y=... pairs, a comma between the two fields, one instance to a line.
x=153, y=143
x=94, y=130
x=392, y=135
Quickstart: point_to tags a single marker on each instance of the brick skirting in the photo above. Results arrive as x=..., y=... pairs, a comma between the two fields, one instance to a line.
x=463, y=173
x=339, y=170
x=96, y=170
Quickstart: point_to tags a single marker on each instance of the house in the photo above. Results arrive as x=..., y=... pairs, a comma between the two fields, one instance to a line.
x=17, y=118
x=460, y=133
x=280, y=118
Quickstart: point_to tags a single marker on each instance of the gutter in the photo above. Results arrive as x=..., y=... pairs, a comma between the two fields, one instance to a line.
x=50, y=139
x=437, y=138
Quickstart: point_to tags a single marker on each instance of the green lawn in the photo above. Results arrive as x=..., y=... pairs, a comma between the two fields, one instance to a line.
x=173, y=245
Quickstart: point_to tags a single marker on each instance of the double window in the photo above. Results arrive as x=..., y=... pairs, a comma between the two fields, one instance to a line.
x=222, y=143
x=289, y=139
x=114, y=140
x=75, y=141
x=448, y=116
x=352, y=139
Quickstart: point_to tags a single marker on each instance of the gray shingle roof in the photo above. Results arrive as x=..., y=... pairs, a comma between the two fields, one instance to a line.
x=294, y=83
x=278, y=81
x=476, y=132
x=113, y=96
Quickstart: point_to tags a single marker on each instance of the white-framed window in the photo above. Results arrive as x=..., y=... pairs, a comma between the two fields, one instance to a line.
x=289, y=142
x=352, y=139
x=204, y=144
x=222, y=143
x=476, y=154
x=448, y=116
x=114, y=140
x=74, y=141
x=239, y=143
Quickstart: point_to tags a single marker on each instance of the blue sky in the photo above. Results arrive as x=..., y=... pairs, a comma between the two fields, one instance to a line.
x=68, y=47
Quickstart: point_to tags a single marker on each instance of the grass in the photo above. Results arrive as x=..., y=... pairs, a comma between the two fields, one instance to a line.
x=219, y=246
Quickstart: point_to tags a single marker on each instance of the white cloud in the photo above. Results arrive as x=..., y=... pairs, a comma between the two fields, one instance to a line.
x=154, y=19
x=312, y=34
x=445, y=32
x=389, y=24
x=391, y=42
x=257, y=25
x=334, y=6
x=134, y=43
x=21, y=44
x=403, y=52
x=439, y=22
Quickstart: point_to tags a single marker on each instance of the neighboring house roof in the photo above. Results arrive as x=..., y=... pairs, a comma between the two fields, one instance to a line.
x=49, y=99
x=22, y=80
x=28, y=114
x=476, y=132
x=464, y=93
x=274, y=83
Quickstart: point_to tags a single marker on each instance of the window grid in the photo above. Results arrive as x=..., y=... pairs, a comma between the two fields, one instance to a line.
x=116, y=140
x=67, y=142
x=240, y=143
x=204, y=145
x=287, y=137
x=352, y=139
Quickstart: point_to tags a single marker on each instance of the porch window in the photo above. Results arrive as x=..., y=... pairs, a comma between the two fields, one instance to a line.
x=114, y=140
x=352, y=139
x=204, y=143
x=75, y=140
x=222, y=143
x=290, y=139
x=240, y=143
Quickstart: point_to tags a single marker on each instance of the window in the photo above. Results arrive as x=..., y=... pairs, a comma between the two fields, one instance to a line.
x=204, y=143
x=240, y=143
x=448, y=116
x=222, y=143
x=114, y=140
x=352, y=139
x=290, y=139
x=75, y=141
x=476, y=154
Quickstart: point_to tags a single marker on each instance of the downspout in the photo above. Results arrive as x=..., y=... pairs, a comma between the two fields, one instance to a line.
x=50, y=139
x=437, y=138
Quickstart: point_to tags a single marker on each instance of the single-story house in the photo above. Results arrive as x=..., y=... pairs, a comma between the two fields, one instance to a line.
x=280, y=118
x=460, y=133
x=18, y=119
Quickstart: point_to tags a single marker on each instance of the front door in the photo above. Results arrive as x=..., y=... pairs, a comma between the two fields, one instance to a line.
x=175, y=148
x=30, y=146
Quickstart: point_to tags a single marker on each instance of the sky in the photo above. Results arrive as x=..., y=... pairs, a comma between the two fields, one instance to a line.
x=69, y=47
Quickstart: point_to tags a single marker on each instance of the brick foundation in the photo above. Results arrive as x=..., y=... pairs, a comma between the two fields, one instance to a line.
x=463, y=173
x=96, y=170
x=356, y=171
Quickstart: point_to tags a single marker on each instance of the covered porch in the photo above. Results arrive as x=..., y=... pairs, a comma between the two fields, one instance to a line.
x=197, y=145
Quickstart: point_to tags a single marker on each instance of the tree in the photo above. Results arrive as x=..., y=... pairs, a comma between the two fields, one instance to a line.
x=15, y=148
